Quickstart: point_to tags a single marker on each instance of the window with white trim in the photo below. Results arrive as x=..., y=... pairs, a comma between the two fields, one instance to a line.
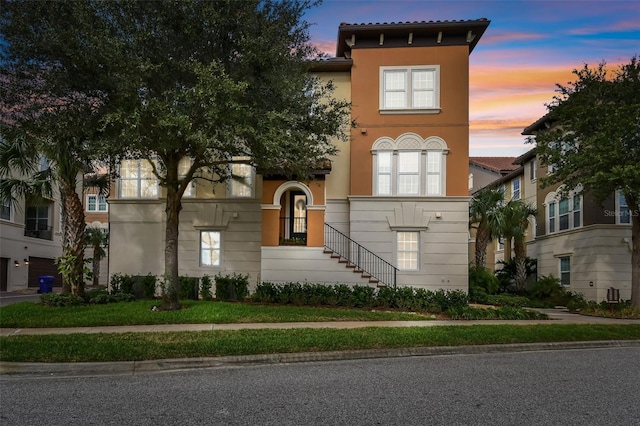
x=565, y=270
x=409, y=166
x=96, y=203
x=515, y=189
x=407, y=250
x=137, y=179
x=533, y=169
x=563, y=214
x=410, y=88
x=210, y=245
x=241, y=183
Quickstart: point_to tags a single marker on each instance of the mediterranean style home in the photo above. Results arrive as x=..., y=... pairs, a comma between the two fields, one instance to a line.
x=31, y=239
x=390, y=209
x=585, y=244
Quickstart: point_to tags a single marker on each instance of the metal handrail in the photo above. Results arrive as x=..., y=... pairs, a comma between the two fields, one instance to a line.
x=363, y=259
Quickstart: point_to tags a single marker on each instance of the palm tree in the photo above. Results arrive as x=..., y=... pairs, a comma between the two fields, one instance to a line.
x=485, y=215
x=516, y=214
x=96, y=239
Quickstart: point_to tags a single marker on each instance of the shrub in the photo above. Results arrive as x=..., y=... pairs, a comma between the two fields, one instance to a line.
x=148, y=283
x=60, y=300
x=482, y=283
x=547, y=288
x=205, y=288
x=266, y=293
x=507, y=273
x=363, y=296
x=121, y=283
x=232, y=287
x=188, y=288
x=509, y=300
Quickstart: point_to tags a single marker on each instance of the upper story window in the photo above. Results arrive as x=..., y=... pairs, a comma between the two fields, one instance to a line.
x=183, y=168
x=563, y=214
x=409, y=166
x=410, y=88
x=5, y=211
x=515, y=189
x=241, y=183
x=137, y=179
x=96, y=203
x=533, y=169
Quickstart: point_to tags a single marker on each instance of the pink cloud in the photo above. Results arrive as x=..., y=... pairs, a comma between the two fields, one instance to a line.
x=493, y=39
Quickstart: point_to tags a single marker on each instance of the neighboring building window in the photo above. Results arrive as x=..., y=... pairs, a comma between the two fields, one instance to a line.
x=500, y=244
x=470, y=181
x=407, y=251
x=408, y=173
x=210, y=248
x=415, y=88
x=96, y=203
x=565, y=270
x=552, y=217
x=624, y=214
x=563, y=214
x=533, y=169
x=137, y=179
x=5, y=211
x=515, y=189
x=241, y=183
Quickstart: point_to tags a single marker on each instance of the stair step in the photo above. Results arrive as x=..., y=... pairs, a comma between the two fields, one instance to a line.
x=327, y=251
x=350, y=265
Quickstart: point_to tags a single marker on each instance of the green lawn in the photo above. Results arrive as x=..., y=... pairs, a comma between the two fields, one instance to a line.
x=146, y=346
x=29, y=314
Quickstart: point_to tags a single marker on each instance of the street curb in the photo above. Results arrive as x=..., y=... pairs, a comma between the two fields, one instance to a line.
x=24, y=369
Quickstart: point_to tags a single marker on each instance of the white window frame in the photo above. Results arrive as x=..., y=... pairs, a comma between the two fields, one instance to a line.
x=533, y=170
x=402, y=250
x=574, y=215
x=202, y=250
x=97, y=203
x=408, y=178
x=183, y=168
x=139, y=179
x=564, y=272
x=516, y=192
x=237, y=189
x=409, y=90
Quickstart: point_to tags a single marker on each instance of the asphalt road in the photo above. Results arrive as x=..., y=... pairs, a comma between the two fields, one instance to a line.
x=569, y=387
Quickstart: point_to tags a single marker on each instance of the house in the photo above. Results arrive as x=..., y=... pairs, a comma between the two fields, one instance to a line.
x=31, y=238
x=390, y=209
x=585, y=244
x=485, y=170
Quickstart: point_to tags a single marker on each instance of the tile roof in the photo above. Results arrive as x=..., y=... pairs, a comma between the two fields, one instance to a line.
x=498, y=164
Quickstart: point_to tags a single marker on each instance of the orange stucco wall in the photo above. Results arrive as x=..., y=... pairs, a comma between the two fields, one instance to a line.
x=451, y=124
x=271, y=217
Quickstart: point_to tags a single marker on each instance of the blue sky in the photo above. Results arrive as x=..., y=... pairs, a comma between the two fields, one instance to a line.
x=528, y=48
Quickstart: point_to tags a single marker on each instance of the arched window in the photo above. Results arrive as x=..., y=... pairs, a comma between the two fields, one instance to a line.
x=563, y=212
x=409, y=166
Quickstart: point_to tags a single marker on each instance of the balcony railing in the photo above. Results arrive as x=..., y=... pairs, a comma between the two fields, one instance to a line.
x=42, y=232
x=363, y=259
x=293, y=231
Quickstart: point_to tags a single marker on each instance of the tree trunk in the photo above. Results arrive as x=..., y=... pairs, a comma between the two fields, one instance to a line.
x=170, y=297
x=482, y=240
x=507, y=249
x=521, y=264
x=635, y=257
x=73, y=240
x=96, y=266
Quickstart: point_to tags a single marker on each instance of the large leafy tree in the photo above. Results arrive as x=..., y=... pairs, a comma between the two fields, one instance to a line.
x=486, y=217
x=595, y=141
x=211, y=81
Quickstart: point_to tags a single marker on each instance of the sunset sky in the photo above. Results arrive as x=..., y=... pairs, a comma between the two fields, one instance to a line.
x=528, y=48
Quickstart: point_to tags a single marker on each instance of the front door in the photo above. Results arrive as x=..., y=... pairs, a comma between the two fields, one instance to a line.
x=298, y=215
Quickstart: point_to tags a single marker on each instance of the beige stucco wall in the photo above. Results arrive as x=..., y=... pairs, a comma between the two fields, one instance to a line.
x=599, y=254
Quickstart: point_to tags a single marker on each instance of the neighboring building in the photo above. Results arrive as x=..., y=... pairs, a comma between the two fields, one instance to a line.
x=31, y=239
x=484, y=170
x=96, y=212
x=392, y=206
x=584, y=244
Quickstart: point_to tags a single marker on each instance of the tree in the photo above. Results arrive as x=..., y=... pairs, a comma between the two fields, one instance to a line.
x=516, y=214
x=214, y=82
x=596, y=141
x=485, y=215
x=96, y=239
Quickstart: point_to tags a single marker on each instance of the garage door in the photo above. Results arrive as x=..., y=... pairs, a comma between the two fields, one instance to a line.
x=39, y=266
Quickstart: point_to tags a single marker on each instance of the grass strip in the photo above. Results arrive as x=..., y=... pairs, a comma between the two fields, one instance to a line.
x=165, y=345
x=34, y=315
